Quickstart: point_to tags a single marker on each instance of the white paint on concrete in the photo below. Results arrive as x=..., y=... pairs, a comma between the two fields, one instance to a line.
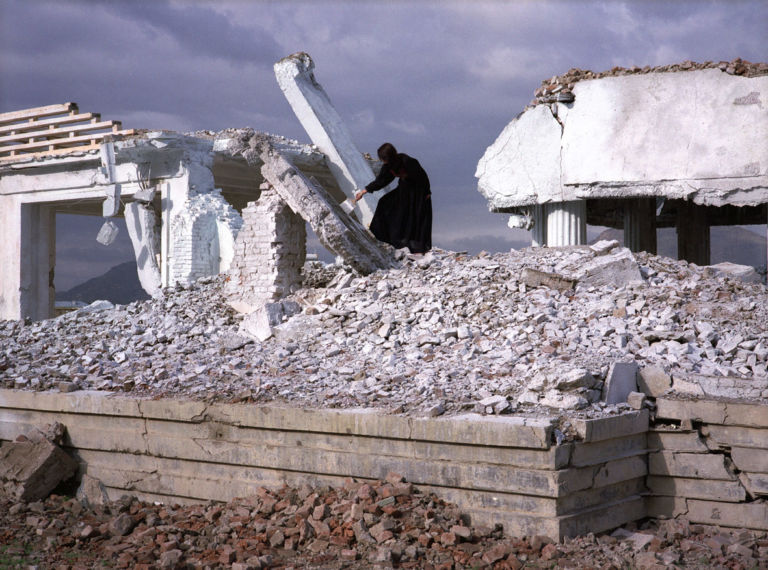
x=142, y=224
x=325, y=127
x=668, y=126
x=522, y=167
x=700, y=135
x=566, y=223
x=203, y=233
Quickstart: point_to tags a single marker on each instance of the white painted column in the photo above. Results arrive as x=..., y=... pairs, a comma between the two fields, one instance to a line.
x=566, y=223
x=324, y=126
x=10, y=259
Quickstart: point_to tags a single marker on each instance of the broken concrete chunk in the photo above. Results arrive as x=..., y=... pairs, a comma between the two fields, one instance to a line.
x=653, y=381
x=92, y=492
x=107, y=233
x=617, y=268
x=576, y=378
x=636, y=400
x=259, y=323
x=336, y=230
x=745, y=273
x=141, y=222
x=146, y=195
x=536, y=278
x=31, y=469
x=621, y=380
x=604, y=246
x=313, y=108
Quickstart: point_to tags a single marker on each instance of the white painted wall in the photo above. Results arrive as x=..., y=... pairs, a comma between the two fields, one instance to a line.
x=701, y=135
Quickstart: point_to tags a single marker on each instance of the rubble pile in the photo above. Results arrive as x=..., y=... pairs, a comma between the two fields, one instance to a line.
x=445, y=333
x=380, y=524
x=559, y=88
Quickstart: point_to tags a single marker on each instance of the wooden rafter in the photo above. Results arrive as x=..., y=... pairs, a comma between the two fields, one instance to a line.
x=52, y=130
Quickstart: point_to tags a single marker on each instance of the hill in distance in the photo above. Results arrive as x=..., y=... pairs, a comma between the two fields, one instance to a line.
x=118, y=285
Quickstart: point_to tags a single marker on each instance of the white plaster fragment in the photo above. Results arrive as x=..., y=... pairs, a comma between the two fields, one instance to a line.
x=141, y=222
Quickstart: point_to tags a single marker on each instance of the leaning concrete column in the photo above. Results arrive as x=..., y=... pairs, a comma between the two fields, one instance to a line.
x=566, y=223
x=692, y=233
x=640, y=224
x=324, y=126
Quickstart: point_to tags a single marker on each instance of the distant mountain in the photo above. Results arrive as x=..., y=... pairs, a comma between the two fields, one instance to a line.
x=727, y=243
x=118, y=285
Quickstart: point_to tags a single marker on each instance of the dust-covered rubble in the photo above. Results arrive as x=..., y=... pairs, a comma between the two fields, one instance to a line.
x=559, y=88
x=443, y=333
x=360, y=524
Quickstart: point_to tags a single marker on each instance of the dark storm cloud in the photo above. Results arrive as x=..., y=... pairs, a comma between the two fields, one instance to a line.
x=201, y=30
x=440, y=80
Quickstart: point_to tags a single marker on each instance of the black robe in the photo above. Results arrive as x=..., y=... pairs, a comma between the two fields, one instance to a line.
x=403, y=217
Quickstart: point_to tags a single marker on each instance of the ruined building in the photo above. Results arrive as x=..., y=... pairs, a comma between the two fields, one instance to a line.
x=182, y=196
x=682, y=146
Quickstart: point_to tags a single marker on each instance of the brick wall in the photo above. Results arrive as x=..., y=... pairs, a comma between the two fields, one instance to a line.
x=269, y=252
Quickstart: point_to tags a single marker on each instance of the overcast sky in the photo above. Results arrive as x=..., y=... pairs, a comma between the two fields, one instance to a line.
x=440, y=80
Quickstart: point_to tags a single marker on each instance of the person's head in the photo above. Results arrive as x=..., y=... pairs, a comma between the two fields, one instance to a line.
x=387, y=153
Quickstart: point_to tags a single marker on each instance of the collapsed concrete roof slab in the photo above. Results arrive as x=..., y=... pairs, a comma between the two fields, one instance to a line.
x=336, y=230
x=697, y=135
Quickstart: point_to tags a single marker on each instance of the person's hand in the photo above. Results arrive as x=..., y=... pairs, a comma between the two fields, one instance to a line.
x=359, y=194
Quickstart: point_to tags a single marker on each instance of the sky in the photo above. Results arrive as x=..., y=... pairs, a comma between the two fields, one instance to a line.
x=440, y=80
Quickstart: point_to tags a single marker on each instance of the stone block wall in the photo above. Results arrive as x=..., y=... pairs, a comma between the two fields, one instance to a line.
x=708, y=461
x=203, y=237
x=506, y=470
x=269, y=252
x=711, y=467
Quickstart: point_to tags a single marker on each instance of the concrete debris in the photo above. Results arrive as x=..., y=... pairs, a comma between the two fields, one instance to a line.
x=107, y=233
x=735, y=271
x=336, y=230
x=463, y=329
x=32, y=466
x=653, y=381
x=142, y=224
x=259, y=323
x=355, y=525
x=91, y=492
x=620, y=382
x=558, y=89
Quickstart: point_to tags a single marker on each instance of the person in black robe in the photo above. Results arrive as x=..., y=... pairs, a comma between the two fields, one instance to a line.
x=403, y=217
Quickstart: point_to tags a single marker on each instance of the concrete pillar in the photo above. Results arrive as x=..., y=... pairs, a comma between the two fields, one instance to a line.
x=141, y=221
x=692, y=233
x=37, y=258
x=640, y=224
x=324, y=126
x=565, y=223
x=539, y=229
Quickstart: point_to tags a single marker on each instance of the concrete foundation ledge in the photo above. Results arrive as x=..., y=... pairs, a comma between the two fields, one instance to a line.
x=497, y=469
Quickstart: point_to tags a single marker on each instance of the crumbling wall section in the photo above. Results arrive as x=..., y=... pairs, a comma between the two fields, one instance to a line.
x=708, y=461
x=636, y=136
x=269, y=252
x=205, y=232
